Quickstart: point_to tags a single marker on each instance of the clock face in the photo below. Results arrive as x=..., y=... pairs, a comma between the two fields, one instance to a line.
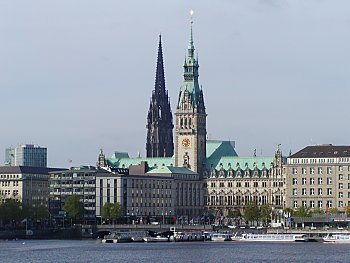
x=186, y=142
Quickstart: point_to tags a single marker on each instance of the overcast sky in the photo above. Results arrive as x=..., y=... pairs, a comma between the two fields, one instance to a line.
x=78, y=75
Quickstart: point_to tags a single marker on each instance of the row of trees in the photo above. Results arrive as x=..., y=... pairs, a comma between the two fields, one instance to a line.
x=12, y=212
x=254, y=213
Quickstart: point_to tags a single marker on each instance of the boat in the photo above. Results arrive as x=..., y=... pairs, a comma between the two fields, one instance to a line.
x=270, y=238
x=337, y=238
x=219, y=237
x=117, y=238
x=156, y=239
x=124, y=237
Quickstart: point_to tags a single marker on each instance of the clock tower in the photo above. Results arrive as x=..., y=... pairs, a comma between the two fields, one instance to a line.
x=190, y=150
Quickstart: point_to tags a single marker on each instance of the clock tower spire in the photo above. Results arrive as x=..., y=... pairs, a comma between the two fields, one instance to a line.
x=190, y=150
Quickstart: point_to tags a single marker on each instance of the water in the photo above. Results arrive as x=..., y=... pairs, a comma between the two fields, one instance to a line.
x=30, y=251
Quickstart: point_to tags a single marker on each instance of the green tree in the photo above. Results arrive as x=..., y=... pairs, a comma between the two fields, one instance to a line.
x=10, y=211
x=116, y=211
x=347, y=210
x=252, y=212
x=73, y=206
x=265, y=213
x=302, y=212
x=106, y=211
x=234, y=213
x=317, y=211
x=333, y=211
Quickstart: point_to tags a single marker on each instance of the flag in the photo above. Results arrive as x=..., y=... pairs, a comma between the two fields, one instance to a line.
x=326, y=211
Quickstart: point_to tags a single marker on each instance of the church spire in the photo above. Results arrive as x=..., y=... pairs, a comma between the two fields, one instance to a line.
x=159, y=119
x=160, y=79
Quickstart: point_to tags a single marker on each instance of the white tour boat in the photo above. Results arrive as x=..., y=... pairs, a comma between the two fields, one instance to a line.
x=270, y=238
x=156, y=239
x=337, y=238
x=217, y=237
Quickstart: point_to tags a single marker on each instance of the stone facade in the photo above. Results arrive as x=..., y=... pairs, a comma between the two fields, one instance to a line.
x=318, y=176
x=242, y=180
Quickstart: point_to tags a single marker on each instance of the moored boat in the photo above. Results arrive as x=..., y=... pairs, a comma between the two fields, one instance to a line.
x=156, y=239
x=219, y=237
x=270, y=238
x=337, y=238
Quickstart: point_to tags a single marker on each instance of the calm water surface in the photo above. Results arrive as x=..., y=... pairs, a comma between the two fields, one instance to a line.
x=91, y=251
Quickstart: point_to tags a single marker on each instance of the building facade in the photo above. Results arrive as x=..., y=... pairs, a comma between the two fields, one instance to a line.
x=318, y=176
x=29, y=185
x=80, y=181
x=26, y=155
x=236, y=181
x=160, y=119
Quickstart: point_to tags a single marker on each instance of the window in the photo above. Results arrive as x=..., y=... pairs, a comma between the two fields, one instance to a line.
x=329, y=191
x=341, y=177
x=295, y=191
x=320, y=180
x=330, y=204
x=303, y=203
x=295, y=181
x=312, y=181
x=238, y=184
x=303, y=191
x=312, y=204
x=329, y=180
x=329, y=170
x=340, y=185
x=303, y=181
x=295, y=170
x=340, y=194
x=246, y=184
x=312, y=170
x=340, y=204
x=340, y=168
x=319, y=204
x=312, y=191
x=319, y=190
x=295, y=204
x=303, y=170
x=319, y=170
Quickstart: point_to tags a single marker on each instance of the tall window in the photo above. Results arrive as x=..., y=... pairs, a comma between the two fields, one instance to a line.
x=312, y=204
x=303, y=181
x=319, y=204
x=320, y=180
x=295, y=204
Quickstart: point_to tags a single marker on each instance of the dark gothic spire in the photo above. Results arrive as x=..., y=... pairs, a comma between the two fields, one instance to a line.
x=159, y=119
x=160, y=79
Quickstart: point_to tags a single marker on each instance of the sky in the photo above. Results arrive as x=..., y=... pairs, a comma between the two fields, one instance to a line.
x=76, y=76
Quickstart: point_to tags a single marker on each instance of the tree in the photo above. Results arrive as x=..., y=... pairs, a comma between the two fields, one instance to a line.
x=302, y=212
x=73, y=206
x=116, y=211
x=333, y=211
x=234, y=214
x=106, y=211
x=265, y=213
x=252, y=212
x=317, y=211
x=10, y=211
x=347, y=210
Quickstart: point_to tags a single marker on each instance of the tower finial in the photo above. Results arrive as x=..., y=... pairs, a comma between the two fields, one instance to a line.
x=191, y=36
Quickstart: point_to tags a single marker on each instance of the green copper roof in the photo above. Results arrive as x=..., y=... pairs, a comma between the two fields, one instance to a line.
x=171, y=170
x=125, y=162
x=226, y=162
x=216, y=148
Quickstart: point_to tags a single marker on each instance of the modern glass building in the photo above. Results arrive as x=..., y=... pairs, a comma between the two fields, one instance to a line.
x=26, y=155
